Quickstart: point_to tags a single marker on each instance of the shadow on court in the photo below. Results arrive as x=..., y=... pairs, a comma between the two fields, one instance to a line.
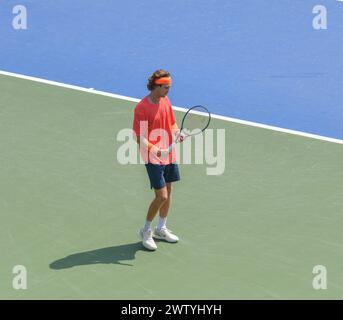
x=113, y=255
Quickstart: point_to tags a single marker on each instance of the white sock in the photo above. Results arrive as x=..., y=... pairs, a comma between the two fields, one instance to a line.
x=147, y=225
x=161, y=223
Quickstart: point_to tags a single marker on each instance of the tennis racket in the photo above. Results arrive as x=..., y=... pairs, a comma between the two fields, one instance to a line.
x=194, y=122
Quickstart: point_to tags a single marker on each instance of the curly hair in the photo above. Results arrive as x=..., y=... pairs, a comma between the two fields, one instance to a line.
x=156, y=75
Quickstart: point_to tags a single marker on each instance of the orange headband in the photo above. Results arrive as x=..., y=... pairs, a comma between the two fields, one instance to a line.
x=164, y=80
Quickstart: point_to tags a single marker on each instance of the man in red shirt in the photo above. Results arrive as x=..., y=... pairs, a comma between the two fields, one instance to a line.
x=154, y=127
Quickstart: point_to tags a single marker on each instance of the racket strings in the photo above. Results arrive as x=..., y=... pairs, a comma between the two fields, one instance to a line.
x=194, y=123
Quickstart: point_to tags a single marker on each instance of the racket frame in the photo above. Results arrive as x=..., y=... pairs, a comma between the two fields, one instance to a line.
x=205, y=113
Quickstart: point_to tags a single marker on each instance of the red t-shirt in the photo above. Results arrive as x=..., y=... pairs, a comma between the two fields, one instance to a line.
x=154, y=122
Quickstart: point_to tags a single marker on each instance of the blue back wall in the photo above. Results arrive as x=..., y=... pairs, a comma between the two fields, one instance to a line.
x=255, y=60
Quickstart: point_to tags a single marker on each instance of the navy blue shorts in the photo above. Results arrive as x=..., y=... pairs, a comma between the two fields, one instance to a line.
x=159, y=174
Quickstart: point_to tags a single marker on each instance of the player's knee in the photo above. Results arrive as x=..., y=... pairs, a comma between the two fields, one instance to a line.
x=162, y=197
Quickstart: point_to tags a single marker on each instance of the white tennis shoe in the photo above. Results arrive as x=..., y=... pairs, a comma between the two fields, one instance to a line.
x=148, y=241
x=165, y=234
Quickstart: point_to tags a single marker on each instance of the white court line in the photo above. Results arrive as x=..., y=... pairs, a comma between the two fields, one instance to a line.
x=215, y=116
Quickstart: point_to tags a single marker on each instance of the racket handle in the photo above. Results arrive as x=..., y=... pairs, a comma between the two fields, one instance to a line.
x=171, y=147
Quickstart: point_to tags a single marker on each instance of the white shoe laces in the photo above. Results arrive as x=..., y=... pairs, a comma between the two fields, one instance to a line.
x=165, y=229
x=147, y=235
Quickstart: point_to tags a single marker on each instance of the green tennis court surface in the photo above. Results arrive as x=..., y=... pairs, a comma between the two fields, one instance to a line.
x=70, y=212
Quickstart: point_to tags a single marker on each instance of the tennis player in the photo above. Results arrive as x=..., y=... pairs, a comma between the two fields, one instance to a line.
x=155, y=129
